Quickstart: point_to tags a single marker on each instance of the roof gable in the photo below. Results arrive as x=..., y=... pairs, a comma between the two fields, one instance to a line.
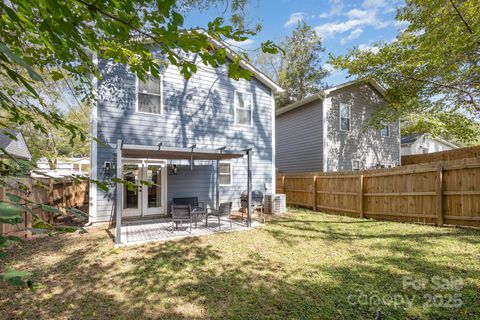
x=323, y=93
x=16, y=148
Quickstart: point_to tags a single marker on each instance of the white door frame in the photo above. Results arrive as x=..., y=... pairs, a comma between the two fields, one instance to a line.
x=142, y=210
x=157, y=210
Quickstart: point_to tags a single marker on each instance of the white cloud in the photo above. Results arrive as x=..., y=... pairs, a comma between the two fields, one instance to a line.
x=295, y=18
x=357, y=18
x=374, y=3
x=245, y=45
x=336, y=9
x=352, y=36
x=328, y=67
x=401, y=23
x=366, y=47
x=358, y=14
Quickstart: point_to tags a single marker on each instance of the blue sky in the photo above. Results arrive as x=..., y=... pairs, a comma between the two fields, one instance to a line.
x=342, y=24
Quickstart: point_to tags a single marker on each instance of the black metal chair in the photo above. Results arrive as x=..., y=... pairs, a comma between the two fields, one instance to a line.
x=198, y=208
x=180, y=214
x=223, y=210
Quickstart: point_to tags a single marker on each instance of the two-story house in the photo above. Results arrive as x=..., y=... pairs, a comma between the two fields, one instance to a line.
x=185, y=138
x=328, y=131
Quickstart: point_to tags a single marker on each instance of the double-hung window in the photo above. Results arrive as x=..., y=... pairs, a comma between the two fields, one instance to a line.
x=345, y=122
x=149, y=96
x=225, y=174
x=356, y=164
x=385, y=131
x=243, y=108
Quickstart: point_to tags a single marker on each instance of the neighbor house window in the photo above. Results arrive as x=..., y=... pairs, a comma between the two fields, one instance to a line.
x=344, y=117
x=355, y=164
x=385, y=131
x=243, y=108
x=225, y=174
x=149, y=95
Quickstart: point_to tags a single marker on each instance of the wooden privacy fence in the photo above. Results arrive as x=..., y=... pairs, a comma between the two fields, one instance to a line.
x=440, y=193
x=59, y=193
x=455, y=154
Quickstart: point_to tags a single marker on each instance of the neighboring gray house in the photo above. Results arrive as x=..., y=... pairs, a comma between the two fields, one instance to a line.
x=327, y=131
x=422, y=143
x=13, y=143
x=187, y=136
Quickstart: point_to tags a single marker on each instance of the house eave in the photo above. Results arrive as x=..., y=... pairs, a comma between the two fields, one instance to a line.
x=372, y=82
x=290, y=107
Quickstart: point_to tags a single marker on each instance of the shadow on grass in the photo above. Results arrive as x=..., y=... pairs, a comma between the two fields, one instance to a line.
x=293, y=268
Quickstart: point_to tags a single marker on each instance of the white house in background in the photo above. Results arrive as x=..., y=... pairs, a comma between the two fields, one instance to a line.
x=65, y=166
x=422, y=143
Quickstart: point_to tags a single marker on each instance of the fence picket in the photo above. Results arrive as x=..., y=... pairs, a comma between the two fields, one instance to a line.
x=447, y=192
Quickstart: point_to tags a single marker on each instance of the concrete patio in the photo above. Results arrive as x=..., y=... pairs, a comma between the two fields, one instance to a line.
x=142, y=231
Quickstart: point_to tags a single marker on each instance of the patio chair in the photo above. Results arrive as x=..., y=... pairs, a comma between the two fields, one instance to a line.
x=198, y=208
x=223, y=210
x=180, y=214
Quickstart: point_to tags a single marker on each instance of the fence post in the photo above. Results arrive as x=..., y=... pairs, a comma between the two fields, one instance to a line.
x=439, y=191
x=64, y=197
x=28, y=216
x=2, y=198
x=360, y=197
x=51, y=199
x=314, y=193
x=283, y=184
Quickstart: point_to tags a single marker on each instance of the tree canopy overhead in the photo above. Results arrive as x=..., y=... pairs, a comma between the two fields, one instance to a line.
x=53, y=37
x=432, y=67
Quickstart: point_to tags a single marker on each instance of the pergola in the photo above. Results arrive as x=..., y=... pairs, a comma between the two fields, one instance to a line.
x=176, y=153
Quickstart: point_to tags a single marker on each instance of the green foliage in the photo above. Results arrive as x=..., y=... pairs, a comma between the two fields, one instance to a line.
x=299, y=70
x=47, y=45
x=454, y=127
x=14, y=277
x=432, y=67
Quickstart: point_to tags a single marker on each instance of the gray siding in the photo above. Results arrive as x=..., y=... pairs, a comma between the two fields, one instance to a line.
x=196, y=111
x=299, y=141
x=362, y=143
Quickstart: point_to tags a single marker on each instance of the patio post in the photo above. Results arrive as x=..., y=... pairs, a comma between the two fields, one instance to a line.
x=118, y=197
x=249, y=187
x=217, y=188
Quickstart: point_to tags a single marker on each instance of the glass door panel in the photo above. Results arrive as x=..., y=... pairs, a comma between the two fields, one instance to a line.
x=154, y=191
x=131, y=199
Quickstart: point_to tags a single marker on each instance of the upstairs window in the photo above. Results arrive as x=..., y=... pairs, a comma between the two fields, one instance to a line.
x=225, y=174
x=243, y=108
x=344, y=117
x=356, y=164
x=385, y=131
x=149, y=96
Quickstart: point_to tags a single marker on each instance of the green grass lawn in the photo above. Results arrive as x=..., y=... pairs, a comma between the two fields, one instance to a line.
x=303, y=266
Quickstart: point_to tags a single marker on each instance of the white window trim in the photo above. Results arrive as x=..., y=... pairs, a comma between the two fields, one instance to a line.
x=235, y=109
x=349, y=117
x=153, y=94
x=359, y=165
x=388, y=134
x=224, y=174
